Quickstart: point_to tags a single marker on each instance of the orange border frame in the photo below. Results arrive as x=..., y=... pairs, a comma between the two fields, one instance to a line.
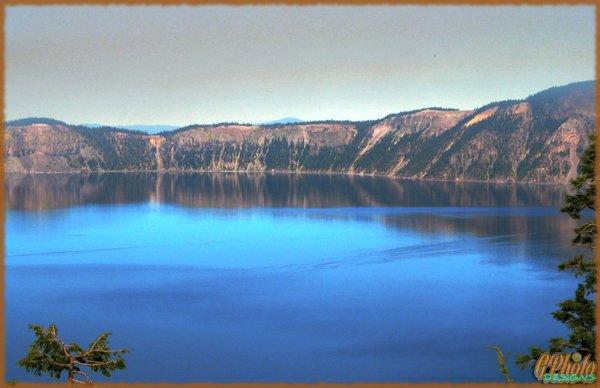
x=263, y=2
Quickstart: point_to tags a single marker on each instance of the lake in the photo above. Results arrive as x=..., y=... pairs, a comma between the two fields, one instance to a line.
x=286, y=277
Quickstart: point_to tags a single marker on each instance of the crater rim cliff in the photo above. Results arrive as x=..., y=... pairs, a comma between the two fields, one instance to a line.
x=537, y=139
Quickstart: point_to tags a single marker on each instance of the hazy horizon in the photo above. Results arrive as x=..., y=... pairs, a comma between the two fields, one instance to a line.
x=162, y=127
x=145, y=65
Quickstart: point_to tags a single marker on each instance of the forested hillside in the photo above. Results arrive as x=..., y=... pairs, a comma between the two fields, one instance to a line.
x=537, y=139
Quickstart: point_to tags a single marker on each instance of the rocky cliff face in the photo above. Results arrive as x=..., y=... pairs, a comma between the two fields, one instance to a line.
x=538, y=139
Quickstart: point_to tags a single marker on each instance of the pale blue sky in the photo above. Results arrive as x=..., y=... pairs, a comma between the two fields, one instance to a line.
x=181, y=65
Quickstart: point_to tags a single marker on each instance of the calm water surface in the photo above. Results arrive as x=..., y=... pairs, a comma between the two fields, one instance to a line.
x=254, y=277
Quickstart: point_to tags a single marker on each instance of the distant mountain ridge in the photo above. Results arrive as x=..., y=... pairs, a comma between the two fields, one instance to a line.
x=152, y=129
x=147, y=128
x=285, y=120
x=537, y=139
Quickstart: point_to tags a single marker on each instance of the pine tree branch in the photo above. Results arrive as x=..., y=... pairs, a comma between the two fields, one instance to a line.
x=80, y=372
x=91, y=349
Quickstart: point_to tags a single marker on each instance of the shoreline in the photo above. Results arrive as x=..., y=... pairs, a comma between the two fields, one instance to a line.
x=286, y=172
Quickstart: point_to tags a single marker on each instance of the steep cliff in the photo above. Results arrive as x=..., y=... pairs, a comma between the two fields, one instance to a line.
x=537, y=139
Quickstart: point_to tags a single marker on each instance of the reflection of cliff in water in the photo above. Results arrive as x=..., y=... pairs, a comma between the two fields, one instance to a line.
x=526, y=230
x=519, y=237
x=230, y=190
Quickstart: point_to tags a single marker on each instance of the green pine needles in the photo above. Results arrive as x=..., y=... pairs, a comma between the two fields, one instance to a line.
x=49, y=354
x=502, y=364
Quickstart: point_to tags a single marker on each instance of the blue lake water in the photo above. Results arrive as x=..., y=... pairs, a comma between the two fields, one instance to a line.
x=254, y=277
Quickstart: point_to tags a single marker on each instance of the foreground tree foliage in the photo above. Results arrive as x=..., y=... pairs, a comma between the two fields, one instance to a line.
x=49, y=354
x=502, y=364
x=577, y=313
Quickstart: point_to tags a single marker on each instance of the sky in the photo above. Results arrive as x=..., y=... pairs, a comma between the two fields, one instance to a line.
x=179, y=65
